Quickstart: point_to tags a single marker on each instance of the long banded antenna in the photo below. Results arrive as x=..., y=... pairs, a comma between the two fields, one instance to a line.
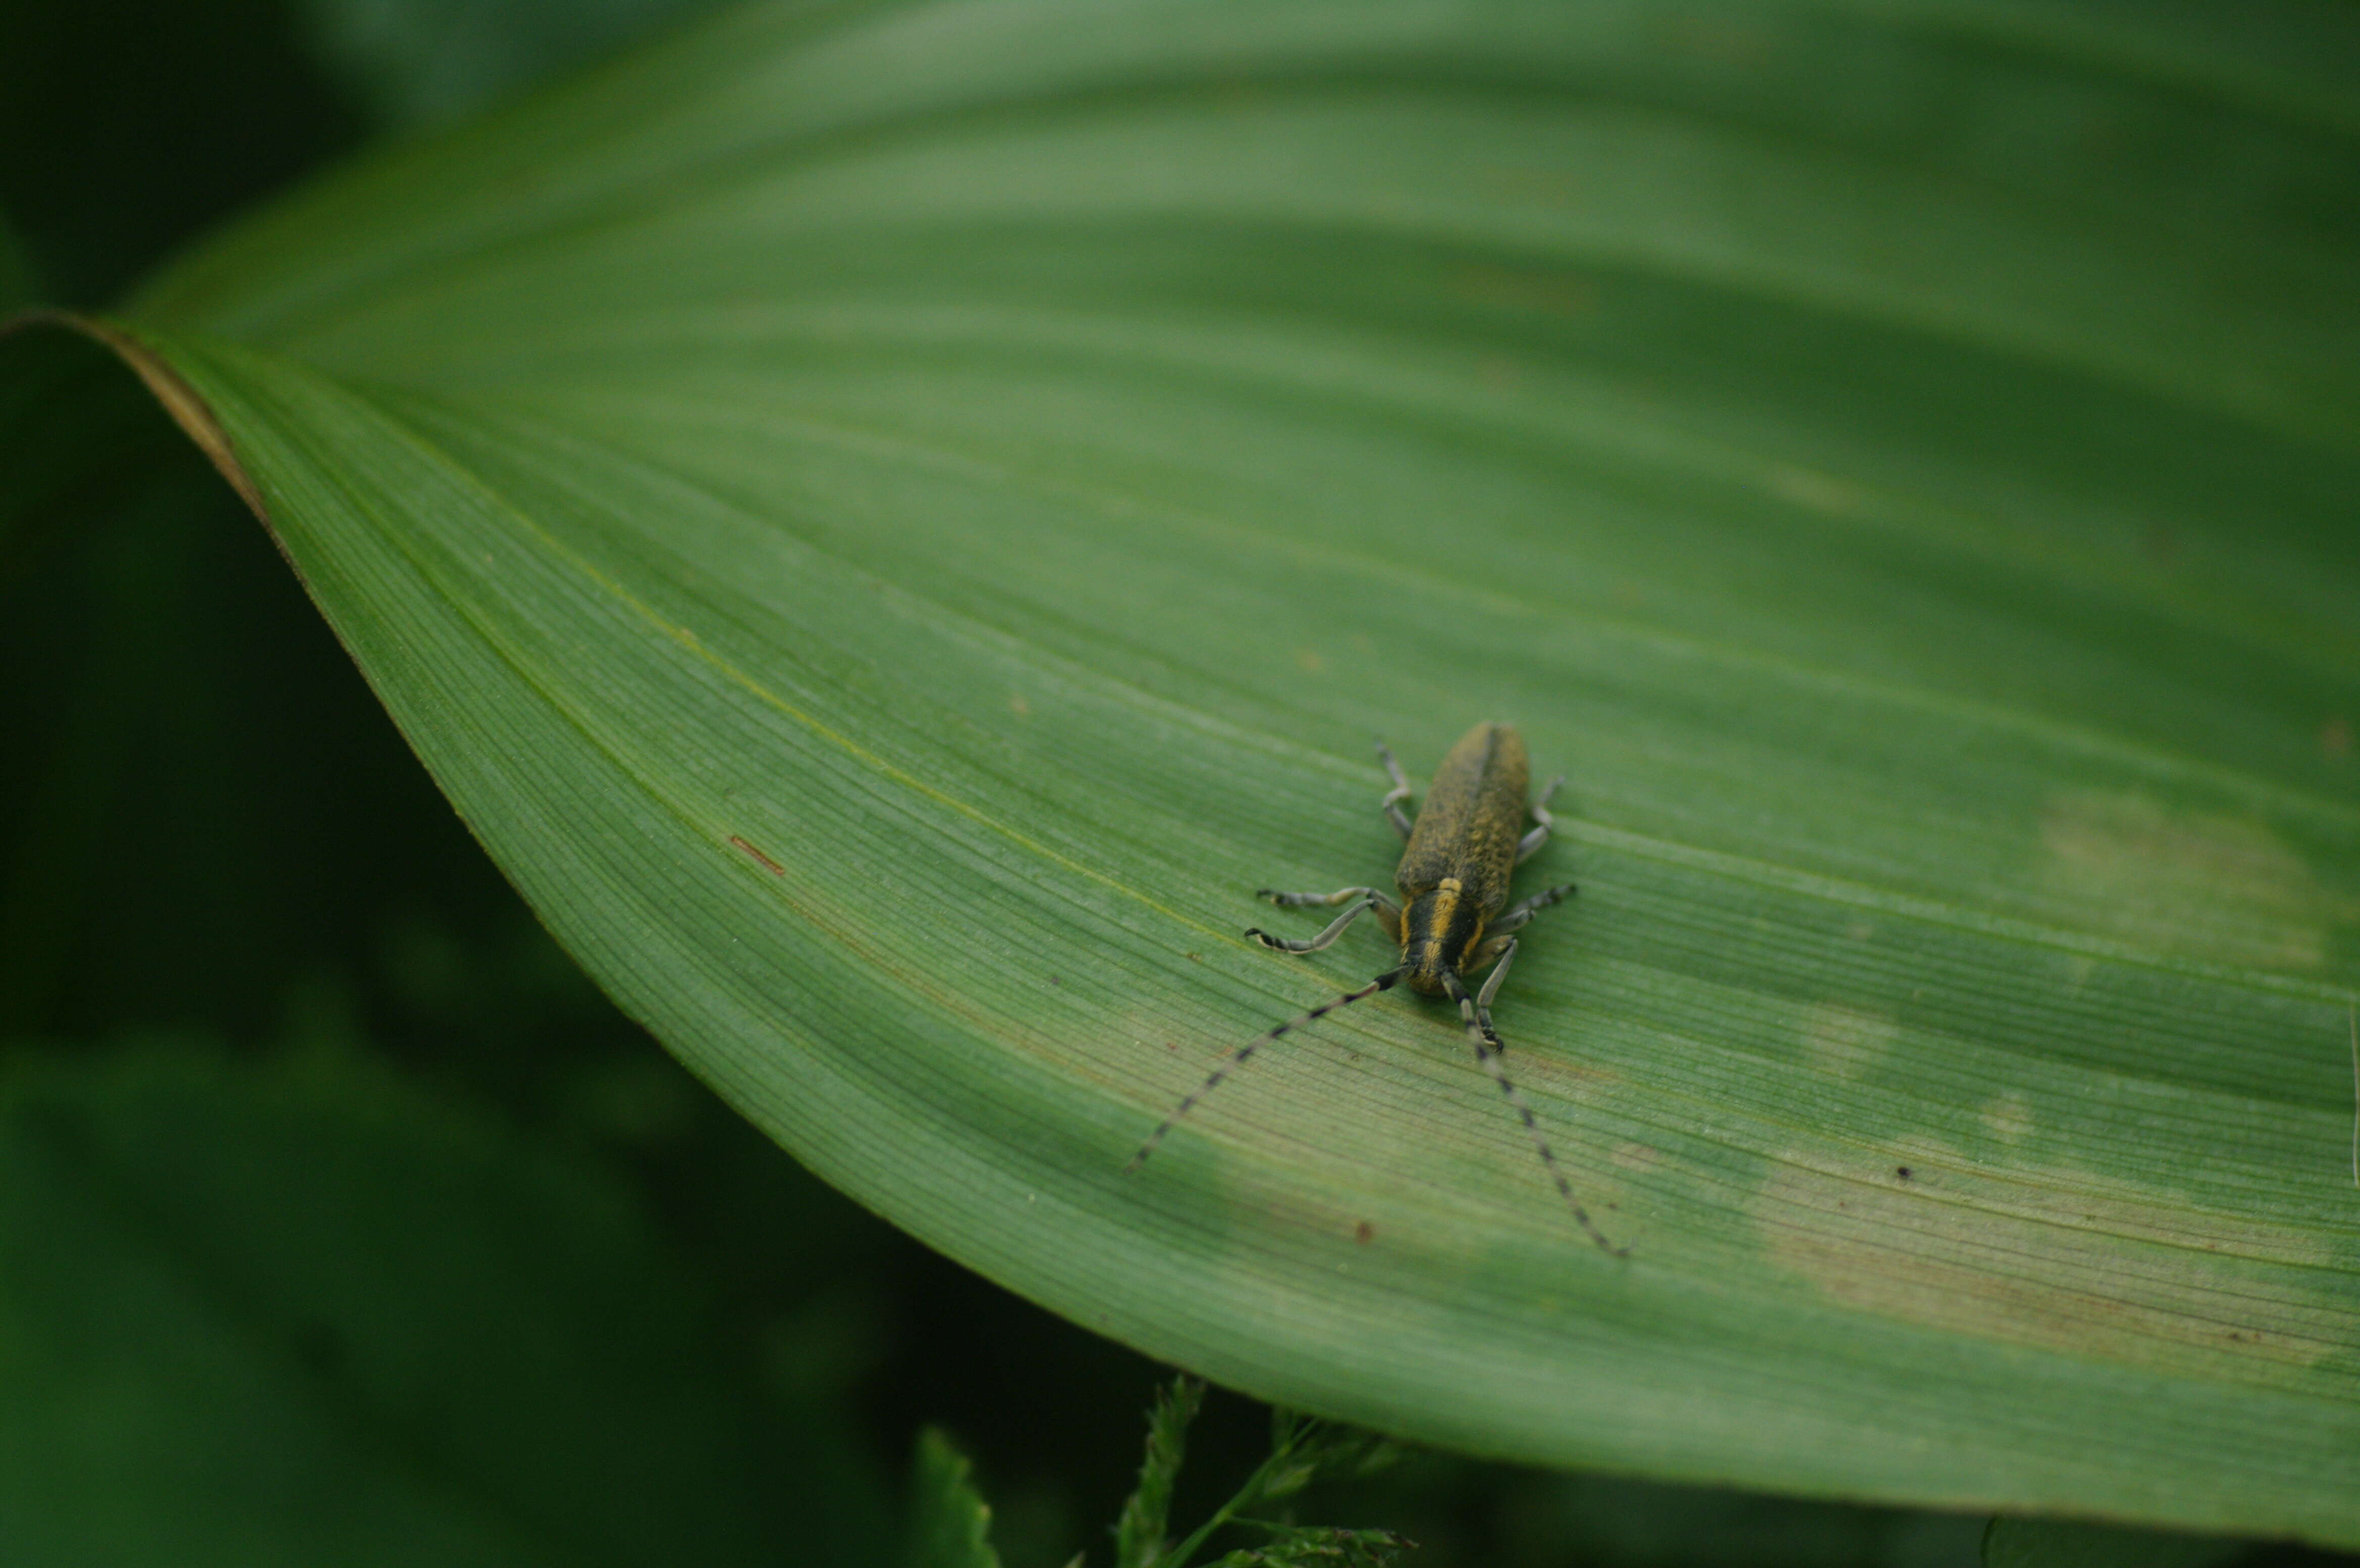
x=1490, y=1050
x=1239, y=1059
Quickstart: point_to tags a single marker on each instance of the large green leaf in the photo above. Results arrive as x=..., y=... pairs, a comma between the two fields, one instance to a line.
x=891, y=522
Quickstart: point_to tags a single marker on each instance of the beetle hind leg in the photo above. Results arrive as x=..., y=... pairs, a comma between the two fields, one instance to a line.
x=1530, y=844
x=1391, y=804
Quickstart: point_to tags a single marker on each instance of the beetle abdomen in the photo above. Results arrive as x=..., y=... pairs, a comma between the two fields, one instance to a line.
x=1469, y=824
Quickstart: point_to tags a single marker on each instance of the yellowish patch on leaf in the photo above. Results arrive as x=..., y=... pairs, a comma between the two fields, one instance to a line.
x=1551, y=293
x=1818, y=492
x=2185, y=882
x=1635, y=1157
x=1845, y=1041
x=2053, y=1259
x=2007, y=1117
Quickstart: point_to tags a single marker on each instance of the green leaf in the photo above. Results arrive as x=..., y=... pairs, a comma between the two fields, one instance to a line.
x=2054, y=1543
x=891, y=520
x=949, y=1525
x=299, y=1313
x=1323, y=1547
x=1314, y=1451
x=1302, y=1450
x=1140, y=1532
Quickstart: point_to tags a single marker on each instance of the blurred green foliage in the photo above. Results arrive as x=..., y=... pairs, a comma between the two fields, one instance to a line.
x=18, y=287
x=2047, y=1543
x=303, y=1311
x=339, y=1218
x=414, y=63
x=949, y=1524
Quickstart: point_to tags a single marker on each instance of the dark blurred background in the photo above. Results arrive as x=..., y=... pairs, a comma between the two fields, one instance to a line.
x=313, y=1142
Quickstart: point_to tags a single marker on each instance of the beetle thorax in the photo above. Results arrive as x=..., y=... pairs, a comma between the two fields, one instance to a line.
x=1439, y=928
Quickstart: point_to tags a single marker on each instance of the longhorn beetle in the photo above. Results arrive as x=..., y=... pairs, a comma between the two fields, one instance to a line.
x=1454, y=917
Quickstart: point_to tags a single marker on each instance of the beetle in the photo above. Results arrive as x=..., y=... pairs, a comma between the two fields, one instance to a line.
x=1454, y=917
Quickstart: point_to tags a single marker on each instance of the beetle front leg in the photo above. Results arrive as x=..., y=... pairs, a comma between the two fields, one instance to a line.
x=1313, y=944
x=1388, y=915
x=1491, y=986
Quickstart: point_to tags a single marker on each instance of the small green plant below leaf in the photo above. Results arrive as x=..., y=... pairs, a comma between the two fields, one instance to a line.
x=950, y=1524
x=1302, y=1451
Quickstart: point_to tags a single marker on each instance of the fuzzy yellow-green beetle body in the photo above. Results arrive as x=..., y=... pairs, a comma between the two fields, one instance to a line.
x=1462, y=851
x=1454, y=919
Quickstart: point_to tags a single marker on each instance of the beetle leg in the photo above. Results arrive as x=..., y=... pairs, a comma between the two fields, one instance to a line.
x=1529, y=845
x=1388, y=912
x=1391, y=804
x=1514, y=920
x=1324, y=938
x=1525, y=910
x=1300, y=900
x=1389, y=915
x=1492, y=988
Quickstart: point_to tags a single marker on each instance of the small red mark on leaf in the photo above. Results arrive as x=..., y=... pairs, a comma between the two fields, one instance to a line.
x=768, y=864
x=1364, y=1232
